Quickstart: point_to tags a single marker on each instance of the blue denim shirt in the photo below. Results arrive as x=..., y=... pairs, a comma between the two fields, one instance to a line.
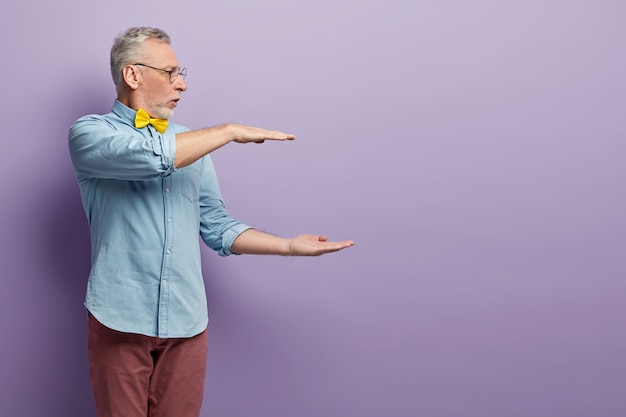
x=145, y=218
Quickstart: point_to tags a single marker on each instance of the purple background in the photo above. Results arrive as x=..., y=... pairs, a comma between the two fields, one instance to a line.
x=473, y=150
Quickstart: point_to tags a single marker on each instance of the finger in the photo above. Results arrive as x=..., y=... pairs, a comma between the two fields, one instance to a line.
x=278, y=135
x=332, y=249
x=341, y=245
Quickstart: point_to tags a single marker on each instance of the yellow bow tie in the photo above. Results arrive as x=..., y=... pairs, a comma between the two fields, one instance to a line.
x=143, y=119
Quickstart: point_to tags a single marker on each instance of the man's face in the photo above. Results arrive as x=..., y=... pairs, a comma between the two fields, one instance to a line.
x=156, y=93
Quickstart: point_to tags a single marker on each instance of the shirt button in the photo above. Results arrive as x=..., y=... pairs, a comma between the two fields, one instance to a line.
x=169, y=219
x=167, y=190
x=168, y=251
x=164, y=281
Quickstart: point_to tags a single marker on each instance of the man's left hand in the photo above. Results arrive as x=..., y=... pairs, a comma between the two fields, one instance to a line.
x=315, y=245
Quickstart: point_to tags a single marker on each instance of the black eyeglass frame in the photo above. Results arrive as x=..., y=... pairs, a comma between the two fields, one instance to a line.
x=176, y=70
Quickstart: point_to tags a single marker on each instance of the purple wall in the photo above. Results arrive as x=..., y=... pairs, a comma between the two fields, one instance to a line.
x=473, y=150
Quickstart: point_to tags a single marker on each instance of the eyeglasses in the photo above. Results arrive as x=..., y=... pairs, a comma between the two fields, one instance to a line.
x=173, y=73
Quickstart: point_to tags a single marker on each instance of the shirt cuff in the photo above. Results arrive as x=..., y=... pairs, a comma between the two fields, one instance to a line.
x=229, y=237
x=169, y=153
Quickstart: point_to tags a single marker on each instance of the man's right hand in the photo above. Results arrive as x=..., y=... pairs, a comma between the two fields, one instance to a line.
x=247, y=134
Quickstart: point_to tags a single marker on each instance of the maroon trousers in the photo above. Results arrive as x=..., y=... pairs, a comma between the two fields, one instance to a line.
x=133, y=375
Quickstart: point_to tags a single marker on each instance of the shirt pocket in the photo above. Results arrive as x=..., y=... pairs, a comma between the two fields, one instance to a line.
x=190, y=179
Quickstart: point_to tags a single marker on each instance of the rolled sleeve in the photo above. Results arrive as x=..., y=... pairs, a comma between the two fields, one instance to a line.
x=100, y=149
x=229, y=236
x=169, y=153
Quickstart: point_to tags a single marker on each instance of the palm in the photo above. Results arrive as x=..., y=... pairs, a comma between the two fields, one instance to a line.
x=315, y=245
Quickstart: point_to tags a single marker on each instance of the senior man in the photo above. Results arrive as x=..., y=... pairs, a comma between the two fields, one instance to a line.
x=149, y=189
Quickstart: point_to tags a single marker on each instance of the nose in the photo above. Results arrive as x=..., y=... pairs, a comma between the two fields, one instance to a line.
x=180, y=84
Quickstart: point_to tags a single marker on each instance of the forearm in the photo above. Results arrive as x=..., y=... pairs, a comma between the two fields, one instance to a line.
x=193, y=145
x=255, y=242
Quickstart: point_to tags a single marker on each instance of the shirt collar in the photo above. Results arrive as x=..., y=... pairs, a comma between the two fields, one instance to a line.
x=124, y=112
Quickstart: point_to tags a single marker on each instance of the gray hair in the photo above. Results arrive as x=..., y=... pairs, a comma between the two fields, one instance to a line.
x=126, y=48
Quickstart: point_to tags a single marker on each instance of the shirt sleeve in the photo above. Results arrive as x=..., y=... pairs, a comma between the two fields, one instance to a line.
x=217, y=228
x=101, y=149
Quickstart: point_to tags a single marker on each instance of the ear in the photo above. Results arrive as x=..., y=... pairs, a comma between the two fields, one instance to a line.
x=132, y=76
